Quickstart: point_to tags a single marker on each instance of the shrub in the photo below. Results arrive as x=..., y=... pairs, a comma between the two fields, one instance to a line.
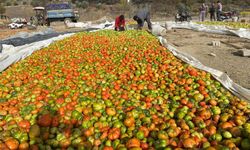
x=99, y=5
x=15, y=3
x=8, y=4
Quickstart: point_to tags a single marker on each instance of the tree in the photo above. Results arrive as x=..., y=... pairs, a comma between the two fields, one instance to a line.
x=2, y=9
x=39, y=2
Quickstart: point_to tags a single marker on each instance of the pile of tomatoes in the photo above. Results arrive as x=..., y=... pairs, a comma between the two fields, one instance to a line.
x=116, y=90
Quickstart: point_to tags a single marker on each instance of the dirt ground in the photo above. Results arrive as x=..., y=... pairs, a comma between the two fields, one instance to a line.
x=224, y=58
x=5, y=32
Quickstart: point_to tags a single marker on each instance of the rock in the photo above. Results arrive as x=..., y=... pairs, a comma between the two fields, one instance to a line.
x=244, y=52
x=212, y=54
x=216, y=43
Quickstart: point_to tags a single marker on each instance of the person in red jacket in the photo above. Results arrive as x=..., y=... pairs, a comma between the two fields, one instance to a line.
x=120, y=23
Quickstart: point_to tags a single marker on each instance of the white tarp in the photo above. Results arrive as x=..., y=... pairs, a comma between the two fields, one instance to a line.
x=243, y=33
x=106, y=25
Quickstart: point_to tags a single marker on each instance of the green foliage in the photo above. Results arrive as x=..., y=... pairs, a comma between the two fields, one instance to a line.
x=8, y=3
x=15, y=3
x=99, y=5
x=24, y=3
x=83, y=4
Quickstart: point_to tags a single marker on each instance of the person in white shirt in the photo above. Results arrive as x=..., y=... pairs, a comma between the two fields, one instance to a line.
x=219, y=10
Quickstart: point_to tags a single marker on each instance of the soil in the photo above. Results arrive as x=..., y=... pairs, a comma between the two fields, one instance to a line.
x=225, y=58
x=6, y=32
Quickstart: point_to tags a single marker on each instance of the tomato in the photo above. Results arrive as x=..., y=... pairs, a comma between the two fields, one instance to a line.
x=140, y=135
x=193, y=72
x=144, y=130
x=24, y=146
x=25, y=124
x=216, y=110
x=114, y=133
x=129, y=122
x=34, y=131
x=189, y=143
x=227, y=135
x=133, y=143
x=245, y=144
x=45, y=120
x=12, y=144
x=111, y=111
x=216, y=137
x=144, y=146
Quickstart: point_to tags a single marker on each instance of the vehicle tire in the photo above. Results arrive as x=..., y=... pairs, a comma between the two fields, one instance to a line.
x=48, y=23
x=67, y=20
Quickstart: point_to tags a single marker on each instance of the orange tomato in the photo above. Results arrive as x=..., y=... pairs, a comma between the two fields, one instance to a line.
x=133, y=143
x=12, y=144
x=189, y=143
x=25, y=124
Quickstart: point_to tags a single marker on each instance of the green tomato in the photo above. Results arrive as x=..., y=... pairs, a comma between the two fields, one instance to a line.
x=98, y=106
x=206, y=145
x=76, y=115
x=245, y=144
x=86, y=124
x=216, y=110
x=140, y=135
x=108, y=143
x=180, y=115
x=227, y=135
x=198, y=97
x=217, y=137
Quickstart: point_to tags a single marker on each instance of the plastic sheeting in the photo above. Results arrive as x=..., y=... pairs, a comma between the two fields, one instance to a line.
x=243, y=33
x=23, y=38
x=218, y=75
x=17, y=53
x=105, y=25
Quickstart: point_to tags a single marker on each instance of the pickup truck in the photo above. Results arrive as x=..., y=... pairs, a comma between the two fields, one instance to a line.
x=54, y=12
x=60, y=12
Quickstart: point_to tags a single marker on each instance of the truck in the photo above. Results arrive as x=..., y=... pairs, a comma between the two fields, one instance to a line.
x=54, y=12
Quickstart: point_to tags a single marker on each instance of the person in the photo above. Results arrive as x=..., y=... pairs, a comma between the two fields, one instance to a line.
x=141, y=17
x=212, y=12
x=202, y=12
x=219, y=10
x=120, y=23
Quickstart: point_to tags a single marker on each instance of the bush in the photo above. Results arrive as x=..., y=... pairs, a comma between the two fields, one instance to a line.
x=15, y=3
x=24, y=3
x=2, y=9
x=99, y=5
x=85, y=4
x=8, y=4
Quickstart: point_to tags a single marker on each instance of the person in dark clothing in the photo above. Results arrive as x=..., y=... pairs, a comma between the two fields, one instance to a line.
x=141, y=17
x=212, y=12
x=120, y=23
